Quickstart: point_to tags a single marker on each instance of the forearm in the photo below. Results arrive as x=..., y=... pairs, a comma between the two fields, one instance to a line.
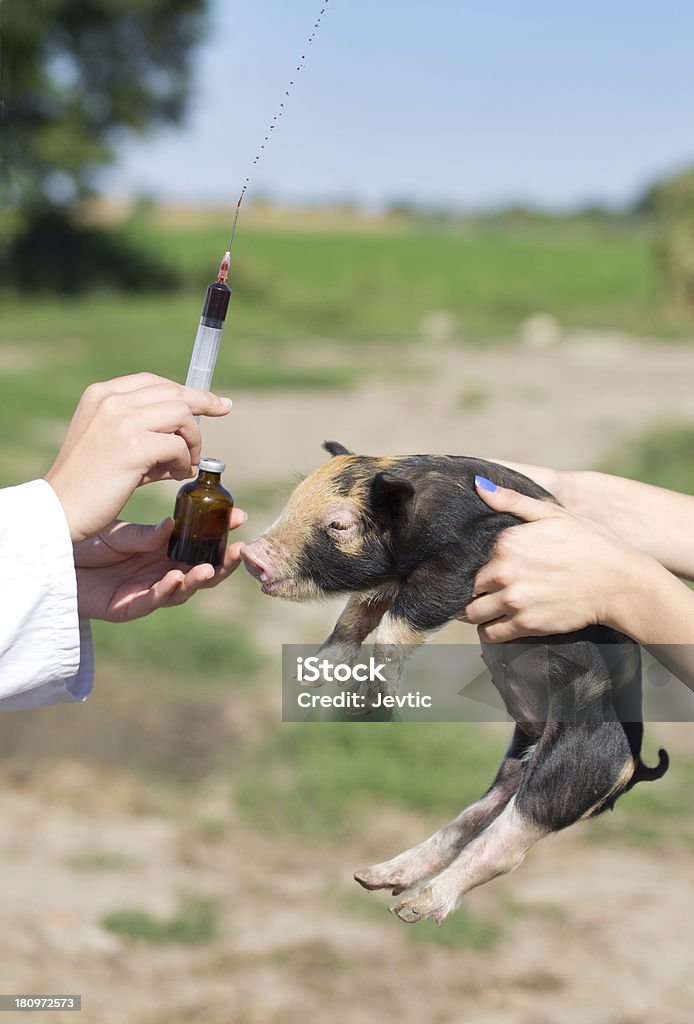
x=651, y=605
x=657, y=610
x=653, y=520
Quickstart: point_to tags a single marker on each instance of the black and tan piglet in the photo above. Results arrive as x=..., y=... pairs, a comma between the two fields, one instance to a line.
x=405, y=538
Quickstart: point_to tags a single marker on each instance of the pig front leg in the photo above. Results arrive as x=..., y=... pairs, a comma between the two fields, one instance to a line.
x=395, y=641
x=360, y=616
x=425, y=602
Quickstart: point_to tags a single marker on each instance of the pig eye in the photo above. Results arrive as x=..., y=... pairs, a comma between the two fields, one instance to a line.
x=337, y=525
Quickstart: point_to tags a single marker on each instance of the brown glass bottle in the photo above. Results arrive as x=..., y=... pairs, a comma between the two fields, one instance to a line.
x=201, y=517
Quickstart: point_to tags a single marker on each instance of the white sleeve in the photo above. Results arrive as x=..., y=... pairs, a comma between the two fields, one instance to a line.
x=46, y=654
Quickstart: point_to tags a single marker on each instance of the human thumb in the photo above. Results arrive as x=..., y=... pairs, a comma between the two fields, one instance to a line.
x=135, y=537
x=503, y=499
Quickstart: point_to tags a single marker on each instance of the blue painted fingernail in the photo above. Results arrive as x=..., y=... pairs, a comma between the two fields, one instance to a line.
x=484, y=484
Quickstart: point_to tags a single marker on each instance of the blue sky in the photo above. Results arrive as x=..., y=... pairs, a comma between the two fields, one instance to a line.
x=472, y=102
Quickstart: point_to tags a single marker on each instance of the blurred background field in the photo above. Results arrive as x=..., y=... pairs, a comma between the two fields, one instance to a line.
x=170, y=849
x=390, y=279
x=179, y=830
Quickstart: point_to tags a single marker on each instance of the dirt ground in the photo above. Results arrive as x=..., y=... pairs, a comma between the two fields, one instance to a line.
x=565, y=406
x=598, y=932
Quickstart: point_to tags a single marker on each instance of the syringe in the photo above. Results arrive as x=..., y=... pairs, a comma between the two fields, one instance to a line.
x=214, y=311
x=217, y=297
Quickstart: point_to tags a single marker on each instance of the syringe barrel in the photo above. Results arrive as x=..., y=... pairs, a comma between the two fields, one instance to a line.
x=204, y=357
x=206, y=347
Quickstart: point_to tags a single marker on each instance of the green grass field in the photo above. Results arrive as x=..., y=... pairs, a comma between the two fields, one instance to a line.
x=322, y=288
x=662, y=457
x=369, y=286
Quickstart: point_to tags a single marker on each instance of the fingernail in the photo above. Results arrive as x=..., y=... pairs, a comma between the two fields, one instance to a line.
x=484, y=484
x=226, y=401
x=162, y=522
x=209, y=572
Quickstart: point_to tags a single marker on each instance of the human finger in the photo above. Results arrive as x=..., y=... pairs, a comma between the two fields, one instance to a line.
x=165, y=457
x=503, y=499
x=173, y=417
x=237, y=517
x=230, y=563
x=95, y=393
x=485, y=609
x=205, y=403
x=150, y=599
x=132, y=538
x=542, y=475
x=193, y=580
x=499, y=632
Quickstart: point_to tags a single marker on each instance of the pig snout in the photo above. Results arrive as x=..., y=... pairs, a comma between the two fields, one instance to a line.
x=270, y=566
x=256, y=558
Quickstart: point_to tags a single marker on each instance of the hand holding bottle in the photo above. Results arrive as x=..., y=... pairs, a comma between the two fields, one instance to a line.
x=124, y=572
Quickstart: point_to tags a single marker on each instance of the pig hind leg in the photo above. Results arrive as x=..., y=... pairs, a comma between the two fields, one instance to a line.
x=497, y=850
x=574, y=772
x=439, y=850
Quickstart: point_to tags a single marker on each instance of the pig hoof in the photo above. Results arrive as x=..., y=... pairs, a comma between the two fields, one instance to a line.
x=420, y=906
x=401, y=872
x=339, y=654
x=379, y=878
x=371, y=878
x=408, y=914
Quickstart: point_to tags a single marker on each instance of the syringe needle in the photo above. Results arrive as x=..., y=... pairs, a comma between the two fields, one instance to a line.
x=233, y=226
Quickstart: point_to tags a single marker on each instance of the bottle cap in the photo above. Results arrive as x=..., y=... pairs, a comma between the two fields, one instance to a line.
x=212, y=465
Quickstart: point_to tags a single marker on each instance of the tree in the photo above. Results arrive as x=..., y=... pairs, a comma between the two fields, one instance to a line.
x=76, y=75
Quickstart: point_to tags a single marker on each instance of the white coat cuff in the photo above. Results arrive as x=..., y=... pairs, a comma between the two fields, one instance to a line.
x=60, y=691
x=44, y=650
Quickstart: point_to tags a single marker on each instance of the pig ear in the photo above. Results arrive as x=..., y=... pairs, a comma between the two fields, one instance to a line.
x=335, y=448
x=390, y=495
